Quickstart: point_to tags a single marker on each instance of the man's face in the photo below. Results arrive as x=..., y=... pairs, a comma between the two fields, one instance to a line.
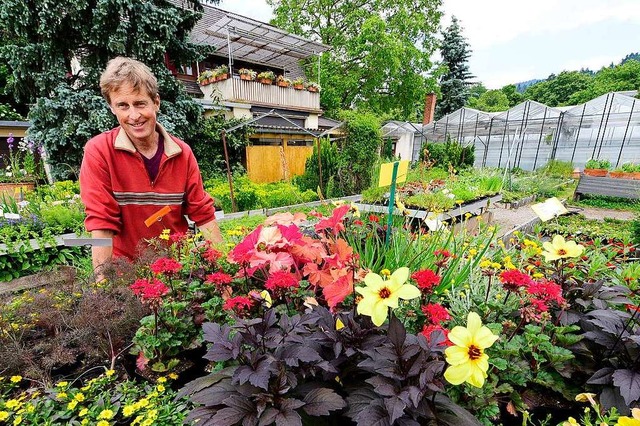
x=136, y=112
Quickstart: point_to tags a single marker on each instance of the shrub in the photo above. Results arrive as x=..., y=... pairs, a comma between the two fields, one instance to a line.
x=450, y=153
x=310, y=179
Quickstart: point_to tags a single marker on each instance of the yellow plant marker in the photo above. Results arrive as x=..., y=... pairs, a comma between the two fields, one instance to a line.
x=157, y=216
x=386, y=173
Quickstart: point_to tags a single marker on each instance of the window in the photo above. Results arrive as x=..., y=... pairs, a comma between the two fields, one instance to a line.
x=299, y=142
x=266, y=142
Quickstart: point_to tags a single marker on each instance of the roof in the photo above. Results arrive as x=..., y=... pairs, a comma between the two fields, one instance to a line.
x=251, y=40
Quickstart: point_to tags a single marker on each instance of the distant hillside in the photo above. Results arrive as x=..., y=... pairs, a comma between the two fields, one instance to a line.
x=521, y=87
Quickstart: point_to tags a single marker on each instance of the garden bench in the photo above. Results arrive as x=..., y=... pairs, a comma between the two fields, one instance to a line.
x=611, y=187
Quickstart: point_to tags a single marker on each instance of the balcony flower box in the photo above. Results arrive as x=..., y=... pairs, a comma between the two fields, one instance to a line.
x=266, y=77
x=313, y=87
x=282, y=81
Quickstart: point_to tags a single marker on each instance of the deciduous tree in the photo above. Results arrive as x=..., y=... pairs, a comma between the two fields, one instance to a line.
x=56, y=51
x=380, y=50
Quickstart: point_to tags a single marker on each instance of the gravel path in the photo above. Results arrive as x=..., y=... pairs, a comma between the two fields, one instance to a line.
x=509, y=219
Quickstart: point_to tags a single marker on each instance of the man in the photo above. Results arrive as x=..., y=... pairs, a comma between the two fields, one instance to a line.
x=136, y=179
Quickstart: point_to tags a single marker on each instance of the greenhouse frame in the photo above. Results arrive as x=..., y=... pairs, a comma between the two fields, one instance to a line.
x=530, y=134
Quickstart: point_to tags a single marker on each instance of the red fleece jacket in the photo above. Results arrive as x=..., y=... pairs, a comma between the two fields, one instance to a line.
x=119, y=196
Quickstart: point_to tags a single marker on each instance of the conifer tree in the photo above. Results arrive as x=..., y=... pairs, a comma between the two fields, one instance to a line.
x=454, y=83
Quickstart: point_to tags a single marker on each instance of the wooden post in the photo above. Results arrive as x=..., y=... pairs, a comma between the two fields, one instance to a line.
x=226, y=158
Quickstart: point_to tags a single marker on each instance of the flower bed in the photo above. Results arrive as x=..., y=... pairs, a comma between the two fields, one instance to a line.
x=317, y=319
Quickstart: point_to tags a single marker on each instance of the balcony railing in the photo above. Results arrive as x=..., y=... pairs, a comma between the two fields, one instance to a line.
x=255, y=93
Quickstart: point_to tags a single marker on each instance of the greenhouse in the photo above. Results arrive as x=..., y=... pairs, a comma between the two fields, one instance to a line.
x=530, y=134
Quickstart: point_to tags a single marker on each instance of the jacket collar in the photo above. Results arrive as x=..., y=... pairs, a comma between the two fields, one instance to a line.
x=171, y=148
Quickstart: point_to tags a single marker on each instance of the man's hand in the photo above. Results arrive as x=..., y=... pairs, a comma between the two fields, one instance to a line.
x=211, y=232
x=101, y=256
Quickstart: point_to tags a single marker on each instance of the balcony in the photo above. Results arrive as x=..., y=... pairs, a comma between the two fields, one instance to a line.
x=255, y=93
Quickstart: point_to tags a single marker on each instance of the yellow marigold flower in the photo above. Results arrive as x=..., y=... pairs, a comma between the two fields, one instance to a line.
x=630, y=421
x=12, y=403
x=570, y=422
x=473, y=252
x=142, y=403
x=17, y=420
x=62, y=384
x=61, y=395
x=105, y=414
x=496, y=265
x=30, y=408
x=165, y=234
x=128, y=410
x=4, y=415
x=339, y=324
x=380, y=294
x=102, y=423
x=152, y=414
x=160, y=388
x=485, y=263
x=72, y=405
x=537, y=275
x=468, y=362
x=15, y=379
x=147, y=422
x=173, y=376
x=385, y=273
x=84, y=422
x=561, y=249
x=79, y=397
x=109, y=373
x=162, y=379
x=83, y=412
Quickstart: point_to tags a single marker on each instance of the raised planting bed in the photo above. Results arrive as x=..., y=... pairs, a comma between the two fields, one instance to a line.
x=611, y=187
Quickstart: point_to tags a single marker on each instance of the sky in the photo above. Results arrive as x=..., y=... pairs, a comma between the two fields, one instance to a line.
x=514, y=40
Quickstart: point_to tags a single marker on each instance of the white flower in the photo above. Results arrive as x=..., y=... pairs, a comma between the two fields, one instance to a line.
x=13, y=216
x=23, y=204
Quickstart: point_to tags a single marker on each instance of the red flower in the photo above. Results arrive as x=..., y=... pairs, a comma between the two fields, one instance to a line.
x=358, y=222
x=547, y=291
x=238, y=303
x=443, y=253
x=512, y=279
x=436, y=313
x=219, y=278
x=150, y=291
x=166, y=265
x=211, y=255
x=374, y=218
x=426, y=279
x=281, y=280
x=427, y=330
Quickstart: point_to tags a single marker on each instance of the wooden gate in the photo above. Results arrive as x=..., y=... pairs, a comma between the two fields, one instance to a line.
x=273, y=163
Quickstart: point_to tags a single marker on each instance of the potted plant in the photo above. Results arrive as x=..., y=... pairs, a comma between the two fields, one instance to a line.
x=206, y=77
x=22, y=171
x=312, y=86
x=617, y=173
x=247, y=74
x=298, y=83
x=222, y=72
x=266, y=77
x=283, y=81
x=631, y=171
x=597, y=167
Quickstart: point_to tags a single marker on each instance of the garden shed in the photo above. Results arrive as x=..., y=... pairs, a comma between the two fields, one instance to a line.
x=530, y=134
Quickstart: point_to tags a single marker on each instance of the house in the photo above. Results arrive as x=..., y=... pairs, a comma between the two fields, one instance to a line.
x=287, y=121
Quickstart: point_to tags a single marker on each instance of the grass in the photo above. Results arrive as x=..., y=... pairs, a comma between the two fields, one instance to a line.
x=603, y=202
